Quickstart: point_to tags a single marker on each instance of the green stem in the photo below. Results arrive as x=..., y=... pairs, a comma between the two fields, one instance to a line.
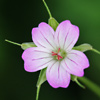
x=12, y=42
x=92, y=86
x=82, y=86
x=96, y=51
x=37, y=94
x=48, y=10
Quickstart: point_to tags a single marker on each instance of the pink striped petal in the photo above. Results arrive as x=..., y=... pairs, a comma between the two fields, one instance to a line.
x=57, y=76
x=66, y=35
x=72, y=68
x=79, y=57
x=36, y=59
x=43, y=36
x=75, y=63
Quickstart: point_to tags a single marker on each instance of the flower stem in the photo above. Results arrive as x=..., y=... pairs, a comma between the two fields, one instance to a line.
x=37, y=94
x=82, y=86
x=92, y=86
x=96, y=51
x=48, y=10
x=12, y=42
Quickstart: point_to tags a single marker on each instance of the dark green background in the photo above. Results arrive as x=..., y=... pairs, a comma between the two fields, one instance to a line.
x=17, y=18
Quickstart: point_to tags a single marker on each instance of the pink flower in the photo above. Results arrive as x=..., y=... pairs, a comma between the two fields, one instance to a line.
x=54, y=51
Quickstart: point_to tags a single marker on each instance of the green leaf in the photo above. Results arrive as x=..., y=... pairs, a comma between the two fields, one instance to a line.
x=26, y=45
x=83, y=47
x=42, y=77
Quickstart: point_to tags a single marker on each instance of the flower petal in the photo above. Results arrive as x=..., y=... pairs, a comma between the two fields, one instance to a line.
x=36, y=59
x=43, y=36
x=76, y=62
x=79, y=57
x=66, y=35
x=57, y=76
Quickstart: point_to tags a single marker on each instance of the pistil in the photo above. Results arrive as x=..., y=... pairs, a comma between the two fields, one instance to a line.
x=57, y=54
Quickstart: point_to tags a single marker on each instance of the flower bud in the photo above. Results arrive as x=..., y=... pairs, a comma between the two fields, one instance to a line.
x=26, y=45
x=53, y=23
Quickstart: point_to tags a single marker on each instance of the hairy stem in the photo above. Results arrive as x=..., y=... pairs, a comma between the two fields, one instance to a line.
x=96, y=51
x=92, y=86
x=82, y=86
x=12, y=42
x=38, y=90
x=48, y=10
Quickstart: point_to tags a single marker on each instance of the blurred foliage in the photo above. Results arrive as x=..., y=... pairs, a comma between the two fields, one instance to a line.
x=17, y=18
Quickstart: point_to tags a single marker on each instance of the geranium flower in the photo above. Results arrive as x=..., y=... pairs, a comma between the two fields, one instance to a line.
x=54, y=51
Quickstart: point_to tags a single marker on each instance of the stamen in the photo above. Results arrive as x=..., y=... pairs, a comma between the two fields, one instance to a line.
x=58, y=50
x=59, y=57
x=56, y=54
x=53, y=53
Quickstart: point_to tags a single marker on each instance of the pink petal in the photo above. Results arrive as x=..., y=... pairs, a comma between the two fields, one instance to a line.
x=36, y=59
x=76, y=62
x=43, y=36
x=66, y=35
x=57, y=76
x=79, y=57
